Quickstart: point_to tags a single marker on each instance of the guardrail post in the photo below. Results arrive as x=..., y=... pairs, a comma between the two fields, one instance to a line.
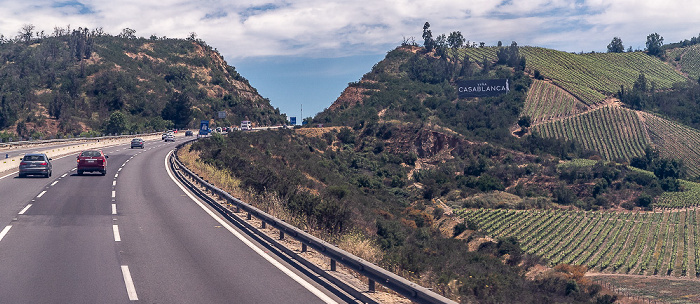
x=303, y=247
x=371, y=285
x=281, y=235
x=248, y=217
x=333, y=265
x=263, y=225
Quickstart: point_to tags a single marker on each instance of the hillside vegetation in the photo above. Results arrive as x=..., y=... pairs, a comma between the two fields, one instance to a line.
x=395, y=185
x=79, y=80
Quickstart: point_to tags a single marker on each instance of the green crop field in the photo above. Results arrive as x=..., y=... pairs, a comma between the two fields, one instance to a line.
x=645, y=243
x=590, y=77
x=546, y=101
x=688, y=60
x=615, y=132
x=675, y=141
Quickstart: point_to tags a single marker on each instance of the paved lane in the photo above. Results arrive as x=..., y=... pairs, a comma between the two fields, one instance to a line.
x=132, y=235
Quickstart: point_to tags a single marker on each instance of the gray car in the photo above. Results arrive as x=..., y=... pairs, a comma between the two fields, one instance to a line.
x=35, y=164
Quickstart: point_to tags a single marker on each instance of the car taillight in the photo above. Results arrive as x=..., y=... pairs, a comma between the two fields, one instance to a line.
x=23, y=164
x=44, y=164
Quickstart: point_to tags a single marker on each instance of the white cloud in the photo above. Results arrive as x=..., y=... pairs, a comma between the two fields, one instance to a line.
x=320, y=28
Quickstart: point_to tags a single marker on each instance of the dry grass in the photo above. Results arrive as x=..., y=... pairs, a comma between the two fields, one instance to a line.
x=359, y=245
x=354, y=242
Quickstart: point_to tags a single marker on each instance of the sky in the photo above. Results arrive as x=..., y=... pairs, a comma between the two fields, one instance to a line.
x=301, y=54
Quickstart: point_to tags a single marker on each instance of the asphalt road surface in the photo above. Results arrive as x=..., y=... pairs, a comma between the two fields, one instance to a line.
x=132, y=235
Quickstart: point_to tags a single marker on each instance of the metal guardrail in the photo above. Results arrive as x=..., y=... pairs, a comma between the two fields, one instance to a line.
x=374, y=273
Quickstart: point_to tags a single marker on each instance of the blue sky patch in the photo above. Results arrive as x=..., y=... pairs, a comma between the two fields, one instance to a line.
x=77, y=6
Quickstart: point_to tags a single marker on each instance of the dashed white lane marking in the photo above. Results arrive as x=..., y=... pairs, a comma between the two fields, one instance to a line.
x=115, y=229
x=64, y=175
x=54, y=183
x=325, y=298
x=25, y=209
x=74, y=169
x=114, y=194
x=41, y=194
x=114, y=183
x=115, y=176
x=4, y=231
x=120, y=169
x=130, y=289
x=114, y=209
x=126, y=161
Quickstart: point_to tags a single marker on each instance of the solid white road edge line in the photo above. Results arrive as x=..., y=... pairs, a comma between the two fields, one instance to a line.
x=4, y=231
x=115, y=229
x=12, y=173
x=291, y=274
x=25, y=209
x=130, y=289
x=41, y=194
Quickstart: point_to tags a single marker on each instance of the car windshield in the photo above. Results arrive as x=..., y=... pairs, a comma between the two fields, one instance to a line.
x=91, y=153
x=33, y=157
x=136, y=139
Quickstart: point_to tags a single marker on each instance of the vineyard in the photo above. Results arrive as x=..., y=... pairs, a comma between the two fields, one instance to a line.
x=590, y=77
x=546, y=101
x=689, y=60
x=675, y=141
x=644, y=243
x=615, y=132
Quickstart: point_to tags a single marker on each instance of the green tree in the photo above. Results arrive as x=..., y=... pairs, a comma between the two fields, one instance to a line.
x=654, y=43
x=455, y=40
x=525, y=122
x=616, y=46
x=428, y=37
x=178, y=110
x=116, y=124
x=441, y=45
x=640, y=85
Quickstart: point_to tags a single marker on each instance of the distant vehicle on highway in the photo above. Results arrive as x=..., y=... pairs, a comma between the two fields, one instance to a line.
x=35, y=164
x=137, y=143
x=164, y=135
x=92, y=161
x=189, y=133
x=246, y=125
x=170, y=137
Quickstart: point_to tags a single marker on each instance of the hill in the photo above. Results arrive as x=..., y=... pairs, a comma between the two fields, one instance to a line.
x=448, y=190
x=75, y=80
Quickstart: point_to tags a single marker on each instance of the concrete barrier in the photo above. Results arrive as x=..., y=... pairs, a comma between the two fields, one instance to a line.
x=9, y=164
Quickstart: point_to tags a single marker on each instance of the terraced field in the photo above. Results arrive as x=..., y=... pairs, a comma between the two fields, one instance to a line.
x=643, y=243
x=615, y=132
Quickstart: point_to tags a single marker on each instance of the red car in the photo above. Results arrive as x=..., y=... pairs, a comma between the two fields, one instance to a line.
x=92, y=161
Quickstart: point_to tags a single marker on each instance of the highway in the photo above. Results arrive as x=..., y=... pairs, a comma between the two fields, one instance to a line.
x=134, y=235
